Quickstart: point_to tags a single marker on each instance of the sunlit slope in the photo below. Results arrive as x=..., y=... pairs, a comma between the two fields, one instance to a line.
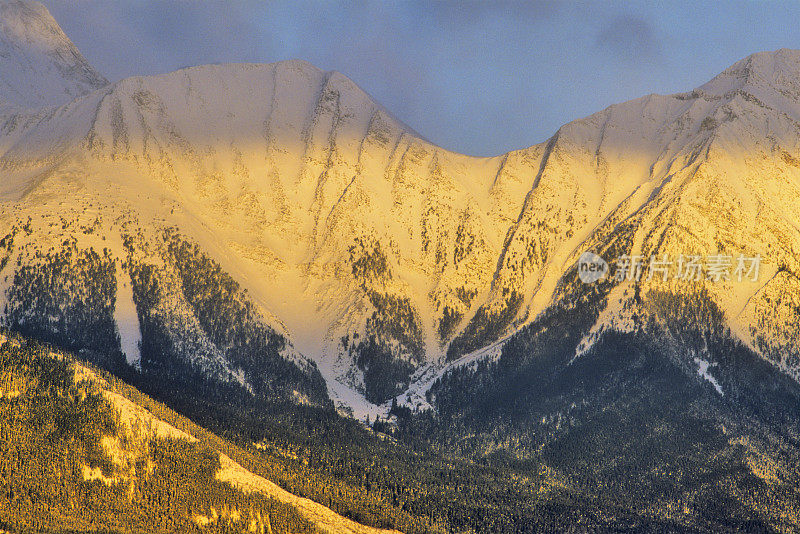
x=370, y=251
x=334, y=217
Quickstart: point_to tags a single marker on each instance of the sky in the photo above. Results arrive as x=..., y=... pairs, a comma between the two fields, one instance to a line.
x=479, y=78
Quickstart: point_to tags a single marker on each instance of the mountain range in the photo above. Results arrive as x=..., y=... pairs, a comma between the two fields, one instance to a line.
x=268, y=233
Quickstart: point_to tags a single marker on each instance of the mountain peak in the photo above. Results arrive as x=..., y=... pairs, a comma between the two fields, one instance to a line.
x=39, y=65
x=776, y=70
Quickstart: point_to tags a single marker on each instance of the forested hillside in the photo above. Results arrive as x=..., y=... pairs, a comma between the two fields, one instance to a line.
x=78, y=455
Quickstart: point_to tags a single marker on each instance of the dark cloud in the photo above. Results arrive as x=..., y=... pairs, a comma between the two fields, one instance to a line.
x=629, y=38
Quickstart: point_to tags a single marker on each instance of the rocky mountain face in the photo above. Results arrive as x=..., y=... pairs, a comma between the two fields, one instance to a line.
x=243, y=220
x=347, y=229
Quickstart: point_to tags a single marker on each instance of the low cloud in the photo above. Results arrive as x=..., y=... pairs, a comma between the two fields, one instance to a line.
x=129, y=38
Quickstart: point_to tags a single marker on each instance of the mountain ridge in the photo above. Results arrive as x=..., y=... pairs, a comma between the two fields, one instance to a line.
x=447, y=253
x=39, y=65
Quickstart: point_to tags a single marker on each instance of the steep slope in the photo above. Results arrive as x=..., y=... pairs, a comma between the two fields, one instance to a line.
x=732, y=191
x=640, y=384
x=271, y=191
x=39, y=65
x=670, y=429
x=152, y=304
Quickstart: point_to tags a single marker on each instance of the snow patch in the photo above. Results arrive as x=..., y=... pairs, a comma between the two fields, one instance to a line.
x=134, y=416
x=10, y=395
x=127, y=320
x=416, y=396
x=95, y=473
x=202, y=520
x=702, y=370
x=354, y=403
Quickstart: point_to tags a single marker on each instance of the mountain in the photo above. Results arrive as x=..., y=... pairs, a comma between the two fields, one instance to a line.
x=39, y=65
x=372, y=252
x=375, y=252
x=269, y=195
x=258, y=245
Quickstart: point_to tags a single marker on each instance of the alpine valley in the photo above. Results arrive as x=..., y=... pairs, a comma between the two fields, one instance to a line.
x=247, y=298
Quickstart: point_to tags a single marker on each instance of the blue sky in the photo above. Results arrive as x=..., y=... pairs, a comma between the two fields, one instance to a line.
x=476, y=77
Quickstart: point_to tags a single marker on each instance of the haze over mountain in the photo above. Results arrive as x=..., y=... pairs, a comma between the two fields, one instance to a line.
x=39, y=65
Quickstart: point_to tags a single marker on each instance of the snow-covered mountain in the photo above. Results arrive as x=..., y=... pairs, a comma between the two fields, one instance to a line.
x=282, y=197
x=39, y=65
